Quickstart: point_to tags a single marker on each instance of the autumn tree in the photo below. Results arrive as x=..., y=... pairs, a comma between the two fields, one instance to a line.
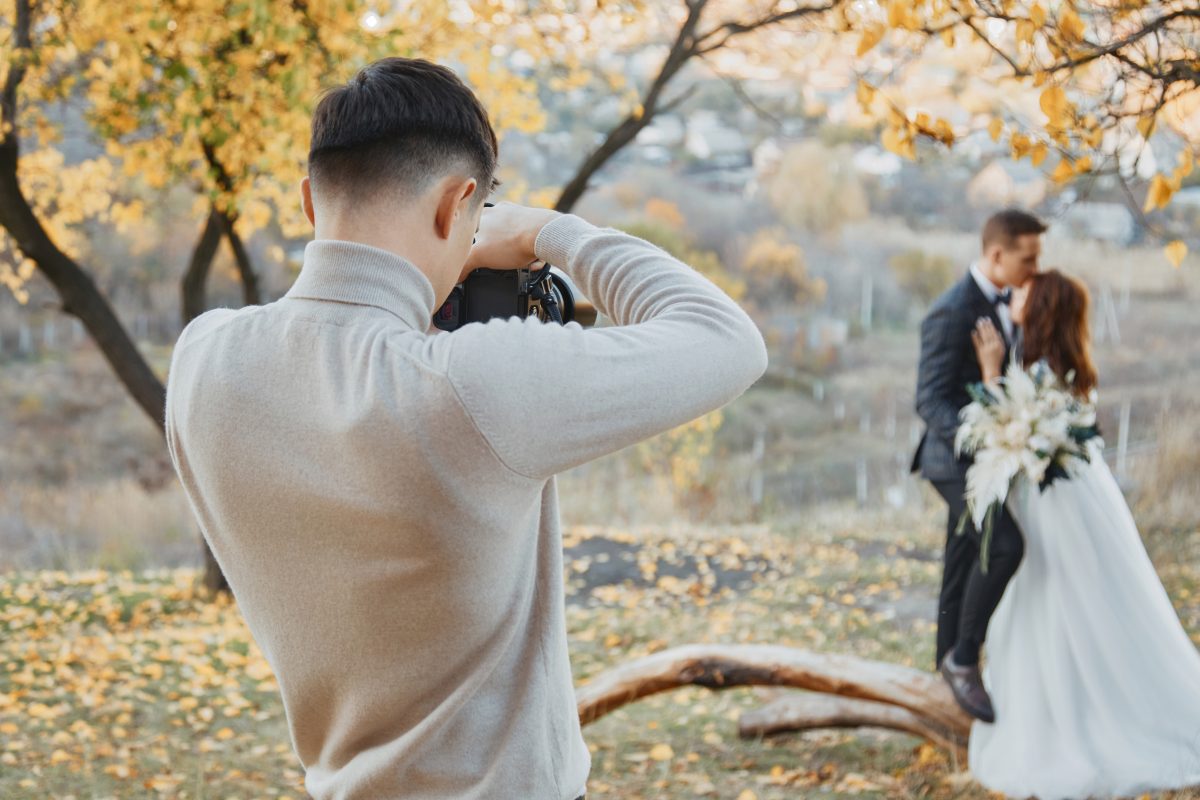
x=776, y=272
x=1106, y=79
x=681, y=452
x=814, y=188
x=923, y=275
x=576, y=50
x=214, y=94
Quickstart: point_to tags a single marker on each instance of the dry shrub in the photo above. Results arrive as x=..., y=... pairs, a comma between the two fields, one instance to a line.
x=1168, y=479
x=115, y=524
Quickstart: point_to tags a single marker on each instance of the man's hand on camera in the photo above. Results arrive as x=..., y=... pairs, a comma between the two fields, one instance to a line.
x=506, y=236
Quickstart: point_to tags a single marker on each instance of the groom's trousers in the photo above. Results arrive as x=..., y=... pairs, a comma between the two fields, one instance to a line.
x=969, y=597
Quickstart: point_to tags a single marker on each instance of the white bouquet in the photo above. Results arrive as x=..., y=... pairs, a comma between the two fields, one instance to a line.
x=1026, y=424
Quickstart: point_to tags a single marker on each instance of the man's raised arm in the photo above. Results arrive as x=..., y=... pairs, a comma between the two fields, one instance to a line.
x=549, y=397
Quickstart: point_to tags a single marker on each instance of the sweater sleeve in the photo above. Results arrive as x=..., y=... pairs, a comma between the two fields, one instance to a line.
x=549, y=397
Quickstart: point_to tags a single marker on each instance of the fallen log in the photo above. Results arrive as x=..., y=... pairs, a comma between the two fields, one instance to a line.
x=806, y=711
x=931, y=706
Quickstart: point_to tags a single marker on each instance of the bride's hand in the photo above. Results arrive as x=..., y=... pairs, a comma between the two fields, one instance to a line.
x=989, y=349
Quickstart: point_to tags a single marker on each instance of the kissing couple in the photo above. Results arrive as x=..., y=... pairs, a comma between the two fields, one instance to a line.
x=1091, y=686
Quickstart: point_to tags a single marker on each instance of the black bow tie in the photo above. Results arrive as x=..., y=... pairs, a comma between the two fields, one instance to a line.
x=1003, y=299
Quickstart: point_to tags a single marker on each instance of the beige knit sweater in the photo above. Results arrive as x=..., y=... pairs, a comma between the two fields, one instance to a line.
x=382, y=500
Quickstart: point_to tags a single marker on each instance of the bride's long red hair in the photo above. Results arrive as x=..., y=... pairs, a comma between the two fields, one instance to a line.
x=1056, y=327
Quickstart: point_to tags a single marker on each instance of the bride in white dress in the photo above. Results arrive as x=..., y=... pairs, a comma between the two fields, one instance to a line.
x=1095, y=683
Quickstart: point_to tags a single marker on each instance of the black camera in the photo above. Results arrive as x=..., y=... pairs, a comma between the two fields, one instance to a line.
x=488, y=293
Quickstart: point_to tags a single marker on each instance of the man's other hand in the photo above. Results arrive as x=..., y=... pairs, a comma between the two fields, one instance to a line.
x=506, y=236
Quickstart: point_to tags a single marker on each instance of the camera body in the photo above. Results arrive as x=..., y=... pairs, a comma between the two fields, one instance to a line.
x=488, y=293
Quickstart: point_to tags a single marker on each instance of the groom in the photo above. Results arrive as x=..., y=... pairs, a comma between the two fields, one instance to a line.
x=1011, y=247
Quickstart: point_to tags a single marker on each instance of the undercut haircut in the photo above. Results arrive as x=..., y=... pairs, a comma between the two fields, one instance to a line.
x=397, y=126
x=1005, y=227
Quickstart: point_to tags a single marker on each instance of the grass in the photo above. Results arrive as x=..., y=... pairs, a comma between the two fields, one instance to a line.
x=122, y=684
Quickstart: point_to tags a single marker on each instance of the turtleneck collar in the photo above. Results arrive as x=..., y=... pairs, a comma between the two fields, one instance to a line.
x=350, y=272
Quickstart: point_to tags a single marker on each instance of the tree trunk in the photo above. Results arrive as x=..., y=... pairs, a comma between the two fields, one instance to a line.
x=884, y=688
x=193, y=288
x=681, y=51
x=251, y=295
x=805, y=711
x=193, y=291
x=78, y=292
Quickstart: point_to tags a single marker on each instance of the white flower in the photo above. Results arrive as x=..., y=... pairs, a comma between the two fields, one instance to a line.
x=988, y=481
x=1026, y=429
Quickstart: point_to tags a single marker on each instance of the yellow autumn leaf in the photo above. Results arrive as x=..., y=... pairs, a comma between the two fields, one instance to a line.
x=1187, y=162
x=866, y=94
x=871, y=36
x=1063, y=172
x=1159, y=193
x=1025, y=31
x=1021, y=145
x=902, y=14
x=1146, y=125
x=900, y=142
x=1057, y=108
x=1176, y=251
x=662, y=752
x=1071, y=25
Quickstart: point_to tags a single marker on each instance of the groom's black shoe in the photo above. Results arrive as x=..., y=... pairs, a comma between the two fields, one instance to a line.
x=967, y=685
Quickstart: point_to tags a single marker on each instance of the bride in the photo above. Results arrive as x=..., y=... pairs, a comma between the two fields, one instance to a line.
x=1095, y=683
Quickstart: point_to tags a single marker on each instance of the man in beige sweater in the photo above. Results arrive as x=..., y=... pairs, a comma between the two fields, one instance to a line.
x=381, y=496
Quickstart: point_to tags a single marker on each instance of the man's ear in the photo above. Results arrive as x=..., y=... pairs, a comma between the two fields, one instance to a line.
x=306, y=202
x=992, y=254
x=452, y=205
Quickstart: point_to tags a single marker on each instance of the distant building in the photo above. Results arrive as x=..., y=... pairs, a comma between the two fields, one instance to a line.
x=874, y=160
x=665, y=130
x=709, y=139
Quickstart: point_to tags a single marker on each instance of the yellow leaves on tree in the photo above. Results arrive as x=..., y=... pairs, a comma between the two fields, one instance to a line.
x=865, y=93
x=664, y=212
x=1071, y=25
x=996, y=128
x=1067, y=169
x=1163, y=187
x=219, y=96
x=831, y=193
x=1058, y=109
x=1159, y=193
x=776, y=272
x=871, y=36
x=903, y=14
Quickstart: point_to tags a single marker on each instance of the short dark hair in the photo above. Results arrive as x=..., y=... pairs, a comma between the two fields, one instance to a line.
x=400, y=123
x=1005, y=227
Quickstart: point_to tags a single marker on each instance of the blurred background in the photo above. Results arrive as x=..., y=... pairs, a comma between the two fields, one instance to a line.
x=163, y=161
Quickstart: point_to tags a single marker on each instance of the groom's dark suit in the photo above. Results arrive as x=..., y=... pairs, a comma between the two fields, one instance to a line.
x=948, y=365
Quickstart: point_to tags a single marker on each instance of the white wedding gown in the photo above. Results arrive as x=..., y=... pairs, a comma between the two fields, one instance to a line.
x=1095, y=683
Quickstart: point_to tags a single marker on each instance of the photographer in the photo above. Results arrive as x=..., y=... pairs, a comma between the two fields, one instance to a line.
x=380, y=497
